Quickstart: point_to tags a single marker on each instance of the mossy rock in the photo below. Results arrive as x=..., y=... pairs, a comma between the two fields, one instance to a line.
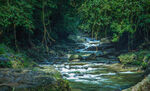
x=128, y=58
x=15, y=61
x=59, y=85
x=141, y=58
x=11, y=59
x=43, y=79
x=75, y=56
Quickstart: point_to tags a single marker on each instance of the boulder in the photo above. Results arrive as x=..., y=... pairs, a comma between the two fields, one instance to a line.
x=105, y=40
x=75, y=60
x=68, y=55
x=94, y=42
x=76, y=38
x=39, y=79
x=128, y=58
x=84, y=56
x=75, y=56
x=52, y=52
x=91, y=57
x=109, y=51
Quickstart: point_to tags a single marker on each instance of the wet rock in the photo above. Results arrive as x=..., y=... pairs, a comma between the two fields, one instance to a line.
x=75, y=60
x=76, y=38
x=105, y=40
x=109, y=51
x=94, y=42
x=75, y=56
x=84, y=56
x=93, y=48
x=52, y=52
x=69, y=55
x=91, y=57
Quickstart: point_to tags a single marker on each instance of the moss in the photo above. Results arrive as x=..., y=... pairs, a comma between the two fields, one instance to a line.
x=128, y=58
x=15, y=60
x=59, y=85
x=20, y=61
x=141, y=58
x=72, y=57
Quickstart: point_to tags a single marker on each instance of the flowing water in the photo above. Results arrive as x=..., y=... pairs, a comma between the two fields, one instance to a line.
x=95, y=75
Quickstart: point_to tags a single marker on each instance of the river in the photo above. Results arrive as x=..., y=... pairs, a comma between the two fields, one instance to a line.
x=95, y=75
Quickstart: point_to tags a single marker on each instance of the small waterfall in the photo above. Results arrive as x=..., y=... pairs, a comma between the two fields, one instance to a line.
x=88, y=43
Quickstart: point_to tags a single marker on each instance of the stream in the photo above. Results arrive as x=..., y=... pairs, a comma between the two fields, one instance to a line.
x=95, y=75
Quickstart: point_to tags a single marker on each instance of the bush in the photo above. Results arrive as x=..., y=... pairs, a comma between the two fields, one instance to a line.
x=12, y=59
x=129, y=58
x=5, y=64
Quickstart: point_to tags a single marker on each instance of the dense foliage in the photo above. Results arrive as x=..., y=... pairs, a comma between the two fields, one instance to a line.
x=26, y=22
x=116, y=18
x=29, y=22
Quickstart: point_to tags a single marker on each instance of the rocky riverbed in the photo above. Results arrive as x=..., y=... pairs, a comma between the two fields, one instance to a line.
x=93, y=66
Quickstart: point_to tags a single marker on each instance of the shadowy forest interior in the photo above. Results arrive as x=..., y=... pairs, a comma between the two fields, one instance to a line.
x=74, y=45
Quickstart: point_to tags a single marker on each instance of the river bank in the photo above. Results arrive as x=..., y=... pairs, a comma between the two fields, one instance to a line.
x=87, y=64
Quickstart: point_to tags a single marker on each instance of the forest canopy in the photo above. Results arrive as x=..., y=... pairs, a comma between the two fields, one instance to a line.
x=116, y=17
x=34, y=21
